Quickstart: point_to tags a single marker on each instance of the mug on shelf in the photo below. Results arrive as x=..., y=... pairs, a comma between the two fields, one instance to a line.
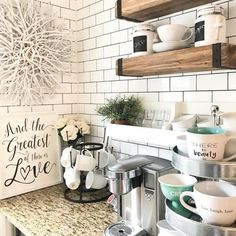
x=215, y=202
x=174, y=32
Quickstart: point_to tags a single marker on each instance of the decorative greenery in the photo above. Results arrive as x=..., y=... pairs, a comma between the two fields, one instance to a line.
x=118, y=108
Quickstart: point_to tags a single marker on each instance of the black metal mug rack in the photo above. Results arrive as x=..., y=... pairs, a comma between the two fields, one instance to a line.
x=83, y=195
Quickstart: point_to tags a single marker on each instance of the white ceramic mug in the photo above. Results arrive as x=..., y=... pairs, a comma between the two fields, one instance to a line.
x=105, y=158
x=72, y=178
x=215, y=202
x=94, y=180
x=174, y=32
x=205, y=143
x=85, y=162
x=184, y=122
x=68, y=157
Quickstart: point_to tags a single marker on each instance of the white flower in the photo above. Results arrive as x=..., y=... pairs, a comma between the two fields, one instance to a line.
x=69, y=133
x=61, y=123
x=85, y=129
x=71, y=122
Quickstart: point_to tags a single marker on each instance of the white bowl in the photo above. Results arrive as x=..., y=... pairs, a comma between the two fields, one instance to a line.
x=182, y=145
x=205, y=123
x=184, y=122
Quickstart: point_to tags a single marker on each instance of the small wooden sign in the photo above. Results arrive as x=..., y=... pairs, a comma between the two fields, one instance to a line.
x=29, y=153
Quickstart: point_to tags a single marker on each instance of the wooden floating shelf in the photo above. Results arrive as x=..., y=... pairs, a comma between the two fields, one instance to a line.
x=142, y=10
x=195, y=59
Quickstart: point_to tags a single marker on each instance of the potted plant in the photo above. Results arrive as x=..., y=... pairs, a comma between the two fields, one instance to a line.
x=121, y=110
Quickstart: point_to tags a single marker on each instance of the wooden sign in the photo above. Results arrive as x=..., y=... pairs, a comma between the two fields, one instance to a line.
x=29, y=153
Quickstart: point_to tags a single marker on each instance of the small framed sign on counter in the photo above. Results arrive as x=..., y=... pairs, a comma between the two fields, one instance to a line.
x=29, y=153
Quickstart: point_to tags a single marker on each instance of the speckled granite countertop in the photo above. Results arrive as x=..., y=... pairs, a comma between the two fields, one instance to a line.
x=46, y=212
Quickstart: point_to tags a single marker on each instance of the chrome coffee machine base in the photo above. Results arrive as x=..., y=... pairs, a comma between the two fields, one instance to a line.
x=124, y=228
x=135, y=183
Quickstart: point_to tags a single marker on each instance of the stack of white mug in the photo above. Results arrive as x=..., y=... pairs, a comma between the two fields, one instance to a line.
x=76, y=161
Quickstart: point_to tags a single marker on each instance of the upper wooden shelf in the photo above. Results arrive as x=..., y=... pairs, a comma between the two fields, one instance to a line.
x=142, y=10
x=211, y=57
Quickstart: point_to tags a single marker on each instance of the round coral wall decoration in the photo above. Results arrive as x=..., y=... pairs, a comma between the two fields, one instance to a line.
x=32, y=49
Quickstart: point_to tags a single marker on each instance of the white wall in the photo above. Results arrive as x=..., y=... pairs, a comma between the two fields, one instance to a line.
x=89, y=77
x=102, y=39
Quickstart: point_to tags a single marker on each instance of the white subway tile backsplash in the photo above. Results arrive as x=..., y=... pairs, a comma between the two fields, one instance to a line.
x=90, y=109
x=231, y=29
x=110, y=75
x=78, y=88
x=232, y=9
x=97, y=76
x=83, y=98
x=83, y=13
x=119, y=37
x=70, y=98
x=171, y=97
x=89, y=44
x=98, y=40
x=232, y=80
x=160, y=84
x=138, y=85
x=212, y=82
x=96, y=31
x=62, y=109
x=187, y=19
x=78, y=108
x=129, y=148
x=83, y=56
x=224, y=96
x=108, y=4
x=90, y=66
x=97, y=98
x=64, y=3
x=120, y=86
x=96, y=8
x=104, y=64
x=89, y=22
x=111, y=26
x=103, y=17
x=197, y=96
x=111, y=51
x=104, y=87
x=90, y=88
x=103, y=40
x=183, y=83
x=96, y=53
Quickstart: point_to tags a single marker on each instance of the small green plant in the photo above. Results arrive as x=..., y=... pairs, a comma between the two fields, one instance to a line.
x=121, y=108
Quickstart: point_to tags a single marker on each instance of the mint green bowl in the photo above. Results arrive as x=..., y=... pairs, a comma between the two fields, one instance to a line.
x=172, y=185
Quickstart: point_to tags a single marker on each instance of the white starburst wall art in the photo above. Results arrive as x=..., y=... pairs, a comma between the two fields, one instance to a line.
x=32, y=50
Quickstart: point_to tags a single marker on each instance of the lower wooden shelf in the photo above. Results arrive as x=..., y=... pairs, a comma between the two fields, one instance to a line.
x=211, y=57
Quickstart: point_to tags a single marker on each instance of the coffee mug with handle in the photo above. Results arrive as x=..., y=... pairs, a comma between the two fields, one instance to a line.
x=105, y=158
x=174, y=32
x=207, y=143
x=95, y=180
x=85, y=161
x=215, y=202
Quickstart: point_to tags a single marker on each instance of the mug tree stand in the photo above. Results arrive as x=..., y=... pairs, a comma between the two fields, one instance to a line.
x=83, y=195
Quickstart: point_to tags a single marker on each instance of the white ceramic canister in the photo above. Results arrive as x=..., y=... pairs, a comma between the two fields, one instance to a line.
x=143, y=36
x=210, y=26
